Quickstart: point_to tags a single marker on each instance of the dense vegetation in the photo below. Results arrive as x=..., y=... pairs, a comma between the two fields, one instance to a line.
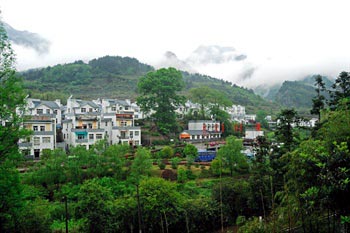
x=298, y=183
x=298, y=94
x=117, y=77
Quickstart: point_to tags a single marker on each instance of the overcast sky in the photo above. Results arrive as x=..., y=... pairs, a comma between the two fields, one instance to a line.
x=281, y=39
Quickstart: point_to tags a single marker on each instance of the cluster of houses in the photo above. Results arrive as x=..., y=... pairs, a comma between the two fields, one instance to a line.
x=79, y=123
x=83, y=123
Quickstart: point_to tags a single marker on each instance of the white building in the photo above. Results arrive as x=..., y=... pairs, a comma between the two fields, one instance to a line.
x=203, y=130
x=43, y=136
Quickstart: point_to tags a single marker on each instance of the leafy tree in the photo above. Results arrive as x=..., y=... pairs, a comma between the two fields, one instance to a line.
x=318, y=102
x=231, y=154
x=341, y=89
x=11, y=98
x=286, y=120
x=191, y=152
x=200, y=95
x=167, y=152
x=95, y=204
x=158, y=92
x=141, y=166
x=161, y=204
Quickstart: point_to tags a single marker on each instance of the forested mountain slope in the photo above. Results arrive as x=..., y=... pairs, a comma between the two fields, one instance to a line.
x=117, y=77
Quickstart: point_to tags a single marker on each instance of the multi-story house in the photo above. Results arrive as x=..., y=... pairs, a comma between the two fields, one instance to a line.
x=118, y=120
x=43, y=136
x=237, y=113
x=203, y=130
x=82, y=124
x=41, y=117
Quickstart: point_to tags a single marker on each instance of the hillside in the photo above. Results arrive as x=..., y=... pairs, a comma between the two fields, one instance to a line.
x=117, y=77
x=299, y=94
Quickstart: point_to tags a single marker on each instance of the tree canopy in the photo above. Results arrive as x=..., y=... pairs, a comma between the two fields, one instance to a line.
x=159, y=92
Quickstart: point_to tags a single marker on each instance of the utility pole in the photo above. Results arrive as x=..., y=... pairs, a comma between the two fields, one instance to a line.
x=138, y=208
x=66, y=210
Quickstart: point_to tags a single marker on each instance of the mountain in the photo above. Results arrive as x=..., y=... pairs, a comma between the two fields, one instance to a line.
x=117, y=77
x=297, y=94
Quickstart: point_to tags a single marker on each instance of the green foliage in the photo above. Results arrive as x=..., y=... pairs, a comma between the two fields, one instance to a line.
x=175, y=162
x=340, y=89
x=231, y=155
x=167, y=152
x=95, y=203
x=161, y=201
x=141, y=166
x=161, y=164
x=181, y=175
x=159, y=92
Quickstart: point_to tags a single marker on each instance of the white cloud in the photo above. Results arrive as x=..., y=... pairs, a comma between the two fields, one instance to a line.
x=282, y=39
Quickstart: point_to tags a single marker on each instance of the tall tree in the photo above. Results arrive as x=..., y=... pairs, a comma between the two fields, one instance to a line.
x=318, y=102
x=231, y=153
x=286, y=120
x=159, y=92
x=200, y=95
x=341, y=89
x=11, y=97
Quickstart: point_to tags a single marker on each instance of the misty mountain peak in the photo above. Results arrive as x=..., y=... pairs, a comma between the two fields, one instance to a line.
x=214, y=54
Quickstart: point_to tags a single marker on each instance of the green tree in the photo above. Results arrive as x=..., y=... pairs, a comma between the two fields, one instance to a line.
x=200, y=95
x=159, y=92
x=95, y=204
x=11, y=98
x=141, y=166
x=191, y=152
x=286, y=120
x=162, y=204
x=341, y=89
x=231, y=154
x=167, y=152
x=318, y=102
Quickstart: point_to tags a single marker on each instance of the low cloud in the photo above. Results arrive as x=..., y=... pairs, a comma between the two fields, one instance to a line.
x=28, y=39
x=214, y=54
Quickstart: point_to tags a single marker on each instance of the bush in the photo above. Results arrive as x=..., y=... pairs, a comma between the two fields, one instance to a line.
x=161, y=164
x=181, y=175
x=175, y=162
x=167, y=152
x=168, y=174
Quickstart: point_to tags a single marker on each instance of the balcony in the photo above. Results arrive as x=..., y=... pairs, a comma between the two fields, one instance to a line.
x=25, y=144
x=85, y=140
x=88, y=130
x=43, y=133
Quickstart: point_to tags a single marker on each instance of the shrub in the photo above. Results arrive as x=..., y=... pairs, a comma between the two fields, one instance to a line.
x=175, y=162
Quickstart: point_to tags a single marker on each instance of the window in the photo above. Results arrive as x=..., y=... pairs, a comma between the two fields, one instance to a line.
x=35, y=128
x=123, y=123
x=137, y=143
x=26, y=152
x=80, y=136
x=136, y=116
x=46, y=140
x=126, y=108
x=120, y=108
x=42, y=128
x=131, y=134
x=137, y=133
x=83, y=109
x=114, y=109
x=99, y=136
x=91, y=136
x=39, y=111
x=106, y=123
x=55, y=111
x=90, y=109
x=36, y=141
x=90, y=126
x=48, y=111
